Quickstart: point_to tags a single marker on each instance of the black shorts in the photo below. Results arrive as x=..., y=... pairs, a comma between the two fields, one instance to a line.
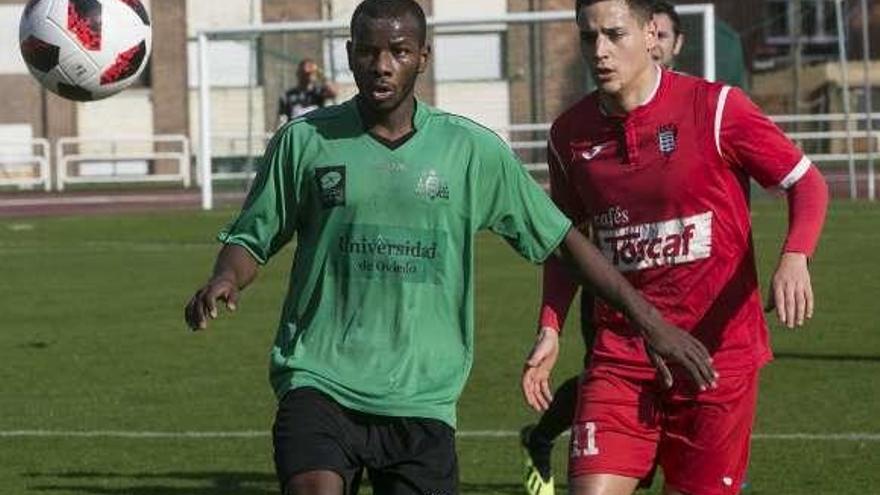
x=402, y=456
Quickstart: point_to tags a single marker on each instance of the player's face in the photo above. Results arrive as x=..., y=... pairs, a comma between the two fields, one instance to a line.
x=386, y=58
x=616, y=44
x=668, y=43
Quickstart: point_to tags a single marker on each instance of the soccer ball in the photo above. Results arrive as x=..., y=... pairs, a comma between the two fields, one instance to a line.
x=85, y=49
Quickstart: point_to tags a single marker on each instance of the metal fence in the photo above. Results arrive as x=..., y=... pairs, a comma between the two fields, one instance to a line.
x=25, y=164
x=846, y=156
x=122, y=160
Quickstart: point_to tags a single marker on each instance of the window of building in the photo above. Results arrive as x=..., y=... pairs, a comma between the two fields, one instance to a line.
x=469, y=57
x=229, y=62
x=817, y=20
x=777, y=19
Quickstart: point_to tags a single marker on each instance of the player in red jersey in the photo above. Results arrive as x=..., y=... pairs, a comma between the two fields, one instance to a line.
x=659, y=164
x=537, y=439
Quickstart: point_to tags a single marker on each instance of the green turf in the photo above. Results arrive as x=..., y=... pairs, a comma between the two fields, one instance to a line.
x=92, y=338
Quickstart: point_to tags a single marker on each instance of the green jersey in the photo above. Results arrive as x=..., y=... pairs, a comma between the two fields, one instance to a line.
x=379, y=310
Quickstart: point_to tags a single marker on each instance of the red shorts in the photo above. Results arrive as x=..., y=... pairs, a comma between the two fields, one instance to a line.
x=700, y=440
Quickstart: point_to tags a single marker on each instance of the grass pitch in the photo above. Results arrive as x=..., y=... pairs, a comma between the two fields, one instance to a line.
x=92, y=341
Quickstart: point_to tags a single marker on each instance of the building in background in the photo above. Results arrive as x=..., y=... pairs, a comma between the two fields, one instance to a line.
x=798, y=52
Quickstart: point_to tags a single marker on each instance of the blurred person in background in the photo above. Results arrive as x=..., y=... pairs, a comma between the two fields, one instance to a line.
x=670, y=38
x=310, y=92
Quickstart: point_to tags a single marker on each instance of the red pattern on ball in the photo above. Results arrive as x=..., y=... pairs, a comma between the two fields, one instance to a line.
x=126, y=64
x=86, y=29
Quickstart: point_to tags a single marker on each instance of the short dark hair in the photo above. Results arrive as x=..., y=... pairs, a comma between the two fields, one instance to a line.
x=391, y=9
x=666, y=8
x=643, y=9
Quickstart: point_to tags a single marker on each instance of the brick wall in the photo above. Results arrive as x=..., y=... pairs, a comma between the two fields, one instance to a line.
x=23, y=103
x=545, y=68
x=169, y=67
x=564, y=73
x=170, y=92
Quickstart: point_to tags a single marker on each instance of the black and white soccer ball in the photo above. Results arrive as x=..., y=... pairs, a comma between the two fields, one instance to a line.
x=85, y=49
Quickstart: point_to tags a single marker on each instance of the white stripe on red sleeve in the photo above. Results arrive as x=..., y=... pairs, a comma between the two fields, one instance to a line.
x=796, y=173
x=719, y=113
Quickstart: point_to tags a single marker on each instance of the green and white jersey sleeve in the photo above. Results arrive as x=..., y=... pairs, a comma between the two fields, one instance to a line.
x=379, y=309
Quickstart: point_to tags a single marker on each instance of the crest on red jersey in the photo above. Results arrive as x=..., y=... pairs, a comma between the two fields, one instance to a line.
x=667, y=138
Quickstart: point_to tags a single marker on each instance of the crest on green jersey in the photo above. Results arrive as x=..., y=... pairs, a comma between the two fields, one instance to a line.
x=331, y=184
x=432, y=186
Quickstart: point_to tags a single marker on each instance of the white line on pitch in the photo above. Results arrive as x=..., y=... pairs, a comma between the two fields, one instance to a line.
x=847, y=437
x=850, y=437
x=132, y=434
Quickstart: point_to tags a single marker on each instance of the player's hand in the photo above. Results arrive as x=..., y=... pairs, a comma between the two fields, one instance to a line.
x=666, y=343
x=203, y=305
x=791, y=292
x=536, y=372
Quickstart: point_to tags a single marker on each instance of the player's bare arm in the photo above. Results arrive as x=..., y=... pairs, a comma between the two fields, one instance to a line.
x=664, y=341
x=791, y=292
x=234, y=269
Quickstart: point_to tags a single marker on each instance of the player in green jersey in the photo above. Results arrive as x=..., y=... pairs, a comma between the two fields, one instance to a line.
x=385, y=195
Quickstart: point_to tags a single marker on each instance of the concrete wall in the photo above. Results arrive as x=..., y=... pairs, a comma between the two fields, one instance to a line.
x=129, y=113
x=169, y=70
x=229, y=119
x=485, y=102
x=488, y=101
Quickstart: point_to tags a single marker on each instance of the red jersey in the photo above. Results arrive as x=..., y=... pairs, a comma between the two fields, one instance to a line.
x=665, y=190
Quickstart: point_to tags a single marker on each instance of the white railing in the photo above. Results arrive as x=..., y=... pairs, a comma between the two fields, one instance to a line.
x=236, y=145
x=229, y=145
x=25, y=163
x=801, y=138
x=120, y=159
x=824, y=117
x=128, y=159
